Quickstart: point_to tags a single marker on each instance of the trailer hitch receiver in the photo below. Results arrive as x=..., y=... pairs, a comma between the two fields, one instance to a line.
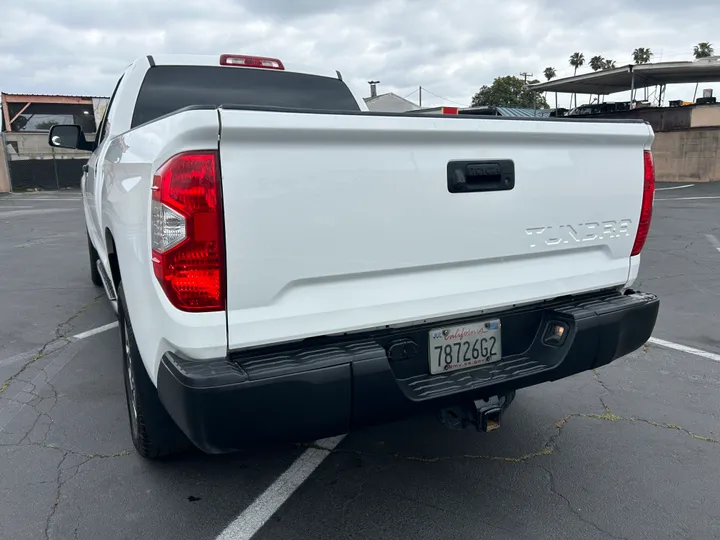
x=483, y=414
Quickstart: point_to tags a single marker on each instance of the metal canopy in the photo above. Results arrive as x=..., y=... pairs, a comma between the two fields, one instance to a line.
x=626, y=78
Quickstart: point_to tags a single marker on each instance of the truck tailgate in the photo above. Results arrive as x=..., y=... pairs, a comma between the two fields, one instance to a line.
x=338, y=222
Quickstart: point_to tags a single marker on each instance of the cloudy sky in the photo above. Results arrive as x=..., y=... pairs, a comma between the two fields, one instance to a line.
x=450, y=47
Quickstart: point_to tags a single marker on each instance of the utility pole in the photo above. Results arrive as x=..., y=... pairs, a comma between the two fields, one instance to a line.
x=420, y=94
x=525, y=75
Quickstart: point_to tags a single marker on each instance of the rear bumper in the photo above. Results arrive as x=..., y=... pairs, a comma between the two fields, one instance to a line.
x=330, y=386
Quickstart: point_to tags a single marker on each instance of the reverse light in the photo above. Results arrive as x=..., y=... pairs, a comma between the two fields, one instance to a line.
x=250, y=61
x=555, y=334
x=647, y=203
x=187, y=232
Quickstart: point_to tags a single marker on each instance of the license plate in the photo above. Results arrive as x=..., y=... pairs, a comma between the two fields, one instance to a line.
x=464, y=346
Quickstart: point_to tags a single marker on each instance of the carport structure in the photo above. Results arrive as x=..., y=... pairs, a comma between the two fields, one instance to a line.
x=18, y=108
x=631, y=77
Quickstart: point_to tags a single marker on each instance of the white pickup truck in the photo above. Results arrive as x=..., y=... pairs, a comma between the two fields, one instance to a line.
x=288, y=266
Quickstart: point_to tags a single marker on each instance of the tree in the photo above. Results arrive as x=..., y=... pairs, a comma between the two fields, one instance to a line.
x=509, y=91
x=577, y=60
x=45, y=126
x=550, y=73
x=596, y=64
x=641, y=55
x=20, y=123
x=608, y=64
x=703, y=50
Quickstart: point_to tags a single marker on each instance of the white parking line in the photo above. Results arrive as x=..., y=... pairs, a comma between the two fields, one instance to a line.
x=684, y=348
x=260, y=511
x=674, y=187
x=17, y=358
x=87, y=334
x=33, y=199
x=17, y=402
x=82, y=335
x=689, y=198
x=713, y=240
x=45, y=211
x=264, y=507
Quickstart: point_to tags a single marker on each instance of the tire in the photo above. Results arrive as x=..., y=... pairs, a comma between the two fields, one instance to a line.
x=154, y=433
x=94, y=273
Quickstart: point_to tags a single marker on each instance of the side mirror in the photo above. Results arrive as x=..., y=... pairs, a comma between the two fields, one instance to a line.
x=68, y=136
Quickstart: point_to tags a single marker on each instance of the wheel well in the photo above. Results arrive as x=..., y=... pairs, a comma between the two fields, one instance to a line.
x=112, y=258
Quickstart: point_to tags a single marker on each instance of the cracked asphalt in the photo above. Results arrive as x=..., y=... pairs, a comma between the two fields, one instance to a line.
x=629, y=451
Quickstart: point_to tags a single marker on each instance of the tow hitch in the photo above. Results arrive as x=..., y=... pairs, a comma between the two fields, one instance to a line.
x=483, y=414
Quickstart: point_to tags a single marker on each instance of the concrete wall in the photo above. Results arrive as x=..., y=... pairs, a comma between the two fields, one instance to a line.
x=705, y=116
x=660, y=118
x=34, y=145
x=33, y=164
x=691, y=155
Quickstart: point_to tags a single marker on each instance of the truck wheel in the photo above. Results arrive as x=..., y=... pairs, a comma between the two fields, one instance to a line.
x=94, y=273
x=154, y=433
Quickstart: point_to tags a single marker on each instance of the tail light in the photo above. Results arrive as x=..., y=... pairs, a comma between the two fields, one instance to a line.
x=647, y=203
x=187, y=232
x=239, y=60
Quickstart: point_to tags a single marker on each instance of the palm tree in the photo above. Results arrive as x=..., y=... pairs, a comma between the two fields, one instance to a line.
x=642, y=55
x=607, y=64
x=596, y=64
x=577, y=60
x=702, y=50
x=550, y=73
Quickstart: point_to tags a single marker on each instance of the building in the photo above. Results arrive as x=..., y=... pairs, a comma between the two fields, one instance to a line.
x=686, y=147
x=390, y=103
x=512, y=112
x=24, y=112
x=26, y=159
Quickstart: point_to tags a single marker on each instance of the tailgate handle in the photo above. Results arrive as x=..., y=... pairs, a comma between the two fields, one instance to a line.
x=474, y=176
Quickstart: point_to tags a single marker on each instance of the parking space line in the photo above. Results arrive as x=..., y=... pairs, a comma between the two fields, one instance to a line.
x=44, y=211
x=82, y=335
x=93, y=331
x=33, y=199
x=17, y=402
x=713, y=240
x=251, y=520
x=674, y=187
x=264, y=507
x=17, y=358
x=28, y=392
x=689, y=198
x=684, y=348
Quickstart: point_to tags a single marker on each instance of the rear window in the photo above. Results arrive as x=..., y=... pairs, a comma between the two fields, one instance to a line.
x=169, y=88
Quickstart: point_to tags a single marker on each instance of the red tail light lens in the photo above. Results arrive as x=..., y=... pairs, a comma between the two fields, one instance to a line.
x=187, y=232
x=647, y=204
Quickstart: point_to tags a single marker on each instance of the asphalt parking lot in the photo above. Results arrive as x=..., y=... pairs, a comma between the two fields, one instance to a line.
x=630, y=451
